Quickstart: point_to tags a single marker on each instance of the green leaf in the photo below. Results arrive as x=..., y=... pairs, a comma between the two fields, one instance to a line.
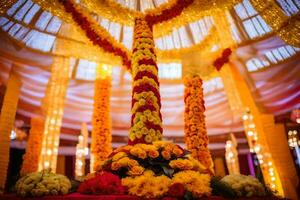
x=188, y=196
x=221, y=188
x=168, y=171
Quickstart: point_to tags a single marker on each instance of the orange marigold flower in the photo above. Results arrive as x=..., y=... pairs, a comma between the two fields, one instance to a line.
x=166, y=154
x=153, y=154
x=136, y=171
x=182, y=164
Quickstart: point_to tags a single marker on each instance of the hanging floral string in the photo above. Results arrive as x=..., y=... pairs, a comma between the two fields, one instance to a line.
x=146, y=122
x=95, y=32
x=101, y=122
x=196, y=137
x=33, y=147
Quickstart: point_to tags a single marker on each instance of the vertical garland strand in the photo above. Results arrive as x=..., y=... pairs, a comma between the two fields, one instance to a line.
x=53, y=108
x=146, y=120
x=7, y=117
x=33, y=147
x=101, y=133
x=196, y=137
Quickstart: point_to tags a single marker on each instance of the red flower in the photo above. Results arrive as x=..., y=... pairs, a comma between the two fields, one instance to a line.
x=104, y=183
x=176, y=190
x=226, y=52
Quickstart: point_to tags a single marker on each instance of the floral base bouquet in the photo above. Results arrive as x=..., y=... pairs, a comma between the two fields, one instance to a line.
x=151, y=171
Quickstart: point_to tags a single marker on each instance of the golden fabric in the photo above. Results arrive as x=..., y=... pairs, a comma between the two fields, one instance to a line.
x=34, y=146
x=53, y=108
x=232, y=94
x=287, y=28
x=279, y=148
x=7, y=118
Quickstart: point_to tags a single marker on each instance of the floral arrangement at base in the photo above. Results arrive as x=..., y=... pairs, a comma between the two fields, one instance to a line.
x=43, y=183
x=237, y=185
x=102, y=183
x=152, y=171
x=245, y=186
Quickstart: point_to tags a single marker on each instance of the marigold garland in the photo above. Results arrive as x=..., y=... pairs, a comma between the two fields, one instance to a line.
x=96, y=33
x=146, y=122
x=33, y=147
x=194, y=119
x=101, y=122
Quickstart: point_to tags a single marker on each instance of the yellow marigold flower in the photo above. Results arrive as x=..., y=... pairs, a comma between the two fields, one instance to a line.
x=138, y=152
x=136, y=171
x=118, y=155
x=148, y=173
x=131, y=136
x=115, y=166
x=142, y=102
x=197, y=166
x=198, y=184
x=182, y=164
x=148, y=138
x=138, y=134
x=144, y=131
x=166, y=155
x=123, y=161
x=147, y=185
x=177, y=151
x=160, y=144
x=132, y=163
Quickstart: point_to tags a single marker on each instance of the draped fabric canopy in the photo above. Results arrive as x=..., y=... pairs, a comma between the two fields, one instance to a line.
x=30, y=37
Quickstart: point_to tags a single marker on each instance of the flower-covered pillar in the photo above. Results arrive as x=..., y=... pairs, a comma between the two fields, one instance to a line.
x=101, y=145
x=53, y=109
x=196, y=138
x=146, y=121
x=34, y=145
x=7, y=118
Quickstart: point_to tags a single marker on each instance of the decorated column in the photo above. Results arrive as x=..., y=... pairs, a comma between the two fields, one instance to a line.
x=196, y=138
x=101, y=122
x=146, y=121
x=7, y=118
x=53, y=109
x=262, y=134
x=33, y=146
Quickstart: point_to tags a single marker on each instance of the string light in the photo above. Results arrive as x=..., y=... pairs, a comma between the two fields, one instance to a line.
x=294, y=143
x=81, y=151
x=264, y=158
x=53, y=105
x=231, y=155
